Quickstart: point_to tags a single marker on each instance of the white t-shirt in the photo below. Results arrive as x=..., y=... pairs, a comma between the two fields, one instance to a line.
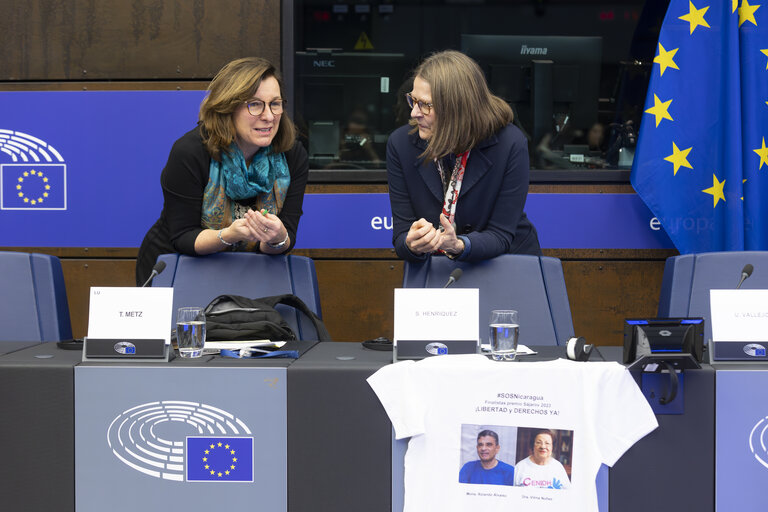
x=552, y=475
x=597, y=403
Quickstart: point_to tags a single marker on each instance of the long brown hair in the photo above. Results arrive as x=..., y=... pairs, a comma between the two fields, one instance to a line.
x=232, y=86
x=465, y=110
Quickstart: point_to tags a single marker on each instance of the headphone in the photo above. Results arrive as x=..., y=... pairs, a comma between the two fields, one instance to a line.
x=577, y=349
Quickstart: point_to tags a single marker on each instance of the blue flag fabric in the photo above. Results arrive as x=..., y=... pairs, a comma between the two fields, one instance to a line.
x=219, y=459
x=701, y=163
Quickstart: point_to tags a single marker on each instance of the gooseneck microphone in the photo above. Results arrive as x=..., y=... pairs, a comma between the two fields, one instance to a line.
x=159, y=267
x=455, y=275
x=745, y=273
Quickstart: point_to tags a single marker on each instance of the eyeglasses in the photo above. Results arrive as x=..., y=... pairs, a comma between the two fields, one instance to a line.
x=424, y=107
x=256, y=107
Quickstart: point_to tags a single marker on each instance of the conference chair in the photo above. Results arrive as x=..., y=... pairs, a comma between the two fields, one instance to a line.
x=688, y=279
x=198, y=280
x=33, y=299
x=532, y=285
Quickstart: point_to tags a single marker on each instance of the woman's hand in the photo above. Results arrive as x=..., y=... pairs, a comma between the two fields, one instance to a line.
x=423, y=237
x=450, y=244
x=265, y=227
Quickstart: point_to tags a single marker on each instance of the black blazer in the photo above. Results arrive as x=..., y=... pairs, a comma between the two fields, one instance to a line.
x=489, y=211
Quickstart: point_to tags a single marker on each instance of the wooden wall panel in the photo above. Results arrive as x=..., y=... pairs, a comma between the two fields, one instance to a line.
x=603, y=293
x=357, y=297
x=140, y=39
x=81, y=274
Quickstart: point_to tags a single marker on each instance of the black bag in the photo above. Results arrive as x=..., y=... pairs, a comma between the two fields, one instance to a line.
x=232, y=317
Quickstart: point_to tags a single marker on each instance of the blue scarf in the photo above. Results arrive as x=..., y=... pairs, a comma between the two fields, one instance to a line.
x=266, y=179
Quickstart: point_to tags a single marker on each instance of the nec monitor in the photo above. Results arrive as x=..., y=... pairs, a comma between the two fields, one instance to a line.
x=346, y=105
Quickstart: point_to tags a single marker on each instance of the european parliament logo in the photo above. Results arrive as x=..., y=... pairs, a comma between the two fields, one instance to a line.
x=220, y=459
x=154, y=439
x=37, y=178
x=757, y=441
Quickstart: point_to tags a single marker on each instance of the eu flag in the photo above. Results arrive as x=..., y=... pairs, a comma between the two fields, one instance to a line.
x=219, y=459
x=33, y=186
x=701, y=163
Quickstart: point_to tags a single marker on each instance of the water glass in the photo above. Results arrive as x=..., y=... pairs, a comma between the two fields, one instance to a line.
x=190, y=331
x=504, y=331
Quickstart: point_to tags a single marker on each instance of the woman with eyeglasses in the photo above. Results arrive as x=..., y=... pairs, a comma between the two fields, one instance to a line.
x=458, y=172
x=236, y=181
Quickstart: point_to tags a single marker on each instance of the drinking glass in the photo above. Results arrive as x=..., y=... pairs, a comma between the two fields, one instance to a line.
x=504, y=331
x=190, y=331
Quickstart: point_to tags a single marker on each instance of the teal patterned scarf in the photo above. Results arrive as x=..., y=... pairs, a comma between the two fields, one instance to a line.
x=266, y=179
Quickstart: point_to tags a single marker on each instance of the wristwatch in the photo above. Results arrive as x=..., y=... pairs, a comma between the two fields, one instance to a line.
x=279, y=245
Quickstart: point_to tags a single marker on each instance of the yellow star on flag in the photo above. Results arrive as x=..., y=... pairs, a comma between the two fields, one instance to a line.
x=716, y=190
x=766, y=62
x=695, y=17
x=665, y=59
x=679, y=158
x=763, y=153
x=659, y=109
x=734, y=5
x=747, y=12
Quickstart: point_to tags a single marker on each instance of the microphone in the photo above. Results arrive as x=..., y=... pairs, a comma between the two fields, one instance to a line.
x=159, y=267
x=455, y=275
x=745, y=273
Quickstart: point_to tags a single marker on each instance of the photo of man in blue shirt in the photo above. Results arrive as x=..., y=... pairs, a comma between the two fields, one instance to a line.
x=487, y=470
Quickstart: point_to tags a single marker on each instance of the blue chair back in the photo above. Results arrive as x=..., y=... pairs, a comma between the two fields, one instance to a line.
x=196, y=281
x=33, y=300
x=688, y=279
x=532, y=285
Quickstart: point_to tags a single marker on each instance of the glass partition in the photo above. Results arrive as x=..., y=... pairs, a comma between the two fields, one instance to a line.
x=574, y=71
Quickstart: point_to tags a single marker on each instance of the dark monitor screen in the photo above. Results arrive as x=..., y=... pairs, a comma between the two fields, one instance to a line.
x=346, y=105
x=552, y=82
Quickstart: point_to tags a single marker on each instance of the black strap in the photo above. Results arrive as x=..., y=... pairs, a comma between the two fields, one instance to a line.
x=673, y=384
x=291, y=300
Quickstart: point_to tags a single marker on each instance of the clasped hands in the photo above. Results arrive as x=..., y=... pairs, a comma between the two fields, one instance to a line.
x=423, y=237
x=256, y=227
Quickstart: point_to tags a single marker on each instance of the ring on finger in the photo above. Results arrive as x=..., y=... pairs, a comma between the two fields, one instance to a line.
x=266, y=230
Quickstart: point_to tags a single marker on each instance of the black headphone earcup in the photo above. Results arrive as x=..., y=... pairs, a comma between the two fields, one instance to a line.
x=577, y=349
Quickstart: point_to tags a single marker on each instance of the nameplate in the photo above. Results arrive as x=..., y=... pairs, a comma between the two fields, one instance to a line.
x=739, y=325
x=130, y=313
x=435, y=321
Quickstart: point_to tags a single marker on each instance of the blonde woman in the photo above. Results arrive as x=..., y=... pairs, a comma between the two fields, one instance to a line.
x=235, y=182
x=458, y=173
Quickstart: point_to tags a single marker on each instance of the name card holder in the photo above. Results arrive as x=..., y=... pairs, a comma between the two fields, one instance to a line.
x=115, y=349
x=140, y=317
x=739, y=326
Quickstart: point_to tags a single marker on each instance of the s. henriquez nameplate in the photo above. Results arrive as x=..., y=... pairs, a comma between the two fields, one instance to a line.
x=435, y=322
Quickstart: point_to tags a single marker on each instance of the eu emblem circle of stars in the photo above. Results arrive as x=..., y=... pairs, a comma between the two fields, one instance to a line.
x=29, y=175
x=212, y=448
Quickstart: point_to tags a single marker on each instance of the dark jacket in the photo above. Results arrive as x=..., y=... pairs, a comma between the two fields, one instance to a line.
x=490, y=205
